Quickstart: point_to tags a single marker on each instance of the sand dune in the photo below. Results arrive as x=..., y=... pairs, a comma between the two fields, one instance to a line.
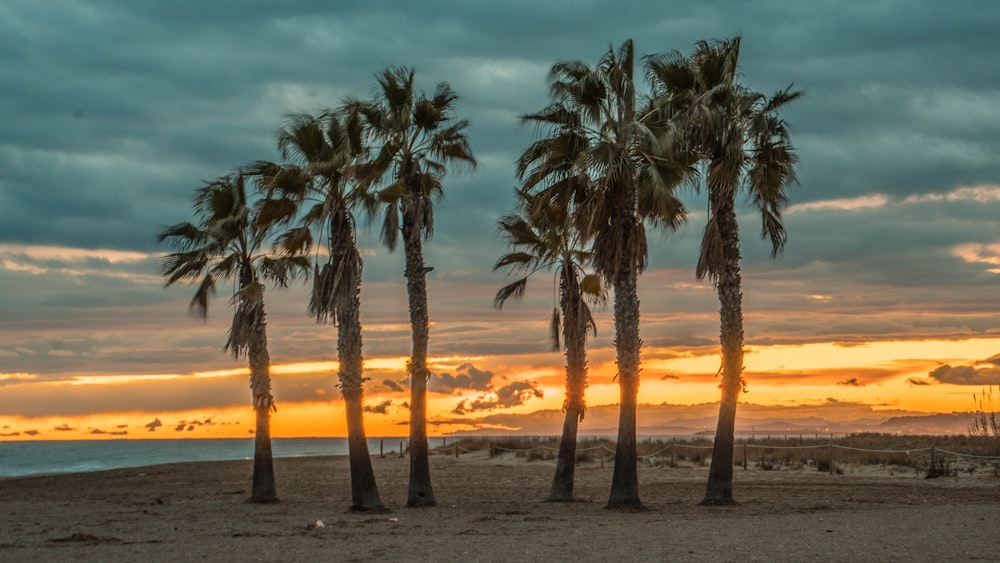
x=492, y=510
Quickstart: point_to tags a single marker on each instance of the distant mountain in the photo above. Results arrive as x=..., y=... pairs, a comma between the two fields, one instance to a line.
x=832, y=417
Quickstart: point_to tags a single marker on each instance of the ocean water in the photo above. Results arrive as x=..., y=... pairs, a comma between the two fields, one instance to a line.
x=42, y=456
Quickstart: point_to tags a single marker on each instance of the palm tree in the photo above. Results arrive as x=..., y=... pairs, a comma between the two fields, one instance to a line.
x=543, y=237
x=225, y=244
x=744, y=146
x=419, y=139
x=599, y=126
x=324, y=151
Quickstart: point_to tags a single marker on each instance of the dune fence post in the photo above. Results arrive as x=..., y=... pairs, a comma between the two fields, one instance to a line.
x=673, y=446
x=831, y=454
x=400, y=449
x=456, y=451
x=381, y=448
x=744, y=456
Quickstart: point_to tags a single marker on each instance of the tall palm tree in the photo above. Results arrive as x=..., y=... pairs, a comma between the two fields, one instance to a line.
x=598, y=125
x=225, y=244
x=319, y=179
x=419, y=139
x=744, y=145
x=543, y=237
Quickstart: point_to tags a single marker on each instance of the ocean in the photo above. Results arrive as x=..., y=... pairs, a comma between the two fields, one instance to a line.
x=43, y=456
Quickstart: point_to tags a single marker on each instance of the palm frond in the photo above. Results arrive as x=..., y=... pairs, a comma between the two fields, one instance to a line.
x=199, y=303
x=513, y=290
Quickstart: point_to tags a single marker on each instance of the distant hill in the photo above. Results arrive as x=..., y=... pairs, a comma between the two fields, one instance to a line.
x=832, y=417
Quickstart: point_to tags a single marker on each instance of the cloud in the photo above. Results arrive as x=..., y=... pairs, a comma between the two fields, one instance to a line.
x=669, y=376
x=852, y=382
x=64, y=428
x=381, y=408
x=98, y=431
x=152, y=426
x=393, y=385
x=965, y=375
x=512, y=395
x=992, y=360
x=916, y=381
x=467, y=376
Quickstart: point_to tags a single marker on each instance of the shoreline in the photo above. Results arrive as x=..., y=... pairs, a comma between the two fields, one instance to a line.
x=493, y=509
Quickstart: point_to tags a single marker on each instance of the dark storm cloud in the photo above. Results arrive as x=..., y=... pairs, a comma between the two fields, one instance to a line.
x=132, y=120
x=152, y=426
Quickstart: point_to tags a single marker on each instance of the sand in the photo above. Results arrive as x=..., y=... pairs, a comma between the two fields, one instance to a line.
x=493, y=510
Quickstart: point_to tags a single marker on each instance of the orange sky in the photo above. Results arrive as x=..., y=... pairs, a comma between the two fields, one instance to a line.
x=885, y=375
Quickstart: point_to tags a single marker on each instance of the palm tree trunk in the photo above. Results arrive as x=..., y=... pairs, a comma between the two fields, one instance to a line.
x=263, y=488
x=364, y=490
x=562, y=483
x=420, y=491
x=625, y=479
x=575, y=337
x=720, y=473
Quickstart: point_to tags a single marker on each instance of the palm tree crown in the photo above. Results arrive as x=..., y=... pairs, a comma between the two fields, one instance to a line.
x=226, y=244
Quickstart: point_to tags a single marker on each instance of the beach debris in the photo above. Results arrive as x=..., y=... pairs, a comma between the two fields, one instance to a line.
x=320, y=524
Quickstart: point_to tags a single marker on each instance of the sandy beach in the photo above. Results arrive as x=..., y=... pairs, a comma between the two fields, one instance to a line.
x=492, y=509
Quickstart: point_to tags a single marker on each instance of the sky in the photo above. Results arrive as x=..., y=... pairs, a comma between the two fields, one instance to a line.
x=114, y=112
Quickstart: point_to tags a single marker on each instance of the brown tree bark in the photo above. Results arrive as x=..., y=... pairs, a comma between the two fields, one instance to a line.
x=364, y=490
x=625, y=479
x=575, y=338
x=720, y=474
x=263, y=489
x=419, y=492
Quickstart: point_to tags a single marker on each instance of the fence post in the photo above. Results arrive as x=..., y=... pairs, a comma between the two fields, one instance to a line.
x=602, y=456
x=744, y=456
x=491, y=450
x=456, y=451
x=932, y=457
x=673, y=446
x=831, y=454
x=381, y=448
x=400, y=449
